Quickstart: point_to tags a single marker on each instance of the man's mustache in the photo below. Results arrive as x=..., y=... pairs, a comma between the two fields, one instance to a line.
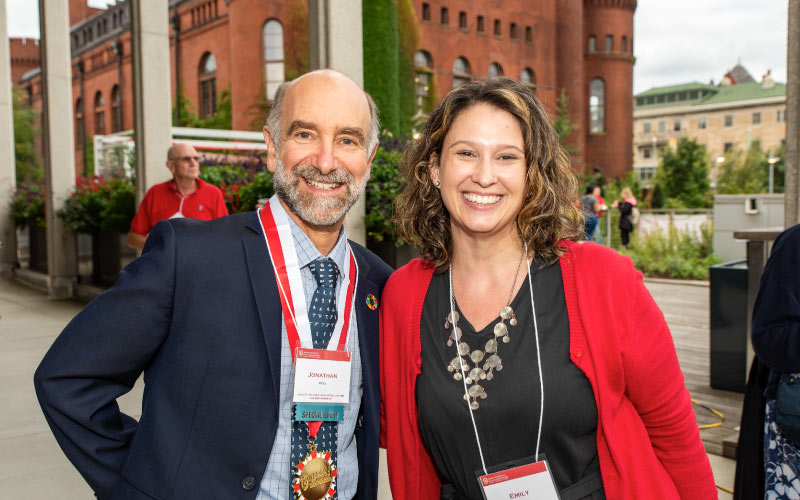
x=312, y=173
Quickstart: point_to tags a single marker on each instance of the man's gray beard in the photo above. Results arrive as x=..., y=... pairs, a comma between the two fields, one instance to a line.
x=316, y=210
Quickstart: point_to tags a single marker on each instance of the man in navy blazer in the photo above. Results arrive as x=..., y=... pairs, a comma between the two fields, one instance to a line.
x=199, y=313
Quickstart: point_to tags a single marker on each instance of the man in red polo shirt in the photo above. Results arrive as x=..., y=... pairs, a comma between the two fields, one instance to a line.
x=183, y=196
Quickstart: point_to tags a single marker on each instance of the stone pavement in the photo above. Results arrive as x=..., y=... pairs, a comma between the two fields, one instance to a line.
x=32, y=465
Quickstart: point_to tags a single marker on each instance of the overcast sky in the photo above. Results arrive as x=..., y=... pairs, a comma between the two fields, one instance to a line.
x=675, y=41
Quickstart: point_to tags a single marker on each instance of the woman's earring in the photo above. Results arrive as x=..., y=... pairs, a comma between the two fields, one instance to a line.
x=437, y=183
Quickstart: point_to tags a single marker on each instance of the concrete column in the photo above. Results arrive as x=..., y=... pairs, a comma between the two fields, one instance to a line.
x=792, y=182
x=59, y=143
x=336, y=42
x=8, y=236
x=152, y=107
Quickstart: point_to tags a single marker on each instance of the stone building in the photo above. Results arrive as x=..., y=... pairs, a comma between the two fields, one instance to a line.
x=720, y=117
x=248, y=47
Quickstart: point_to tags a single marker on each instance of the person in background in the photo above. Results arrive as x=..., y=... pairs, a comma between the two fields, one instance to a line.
x=510, y=338
x=589, y=208
x=776, y=342
x=601, y=211
x=185, y=195
x=627, y=210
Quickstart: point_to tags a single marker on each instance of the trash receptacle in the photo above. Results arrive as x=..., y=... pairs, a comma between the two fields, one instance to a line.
x=728, y=322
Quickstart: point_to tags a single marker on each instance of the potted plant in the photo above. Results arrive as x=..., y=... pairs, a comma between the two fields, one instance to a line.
x=28, y=210
x=384, y=185
x=104, y=209
x=242, y=184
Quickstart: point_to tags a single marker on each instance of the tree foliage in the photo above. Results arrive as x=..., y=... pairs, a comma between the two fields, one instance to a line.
x=682, y=175
x=26, y=130
x=408, y=40
x=564, y=127
x=747, y=172
x=222, y=119
x=381, y=70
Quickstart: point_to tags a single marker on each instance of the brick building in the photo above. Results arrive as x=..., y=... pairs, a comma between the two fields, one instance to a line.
x=721, y=117
x=248, y=47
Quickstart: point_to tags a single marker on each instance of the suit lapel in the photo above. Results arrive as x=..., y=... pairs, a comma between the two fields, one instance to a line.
x=265, y=294
x=367, y=327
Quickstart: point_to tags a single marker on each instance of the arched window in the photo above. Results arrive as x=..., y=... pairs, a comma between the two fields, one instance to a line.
x=273, y=56
x=597, y=106
x=422, y=79
x=495, y=70
x=422, y=59
x=609, y=43
x=116, y=109
x=208, y=85
x=99, y=114
x=80, y=132
x=592, y=43
x=527, y=77
x=461, y=72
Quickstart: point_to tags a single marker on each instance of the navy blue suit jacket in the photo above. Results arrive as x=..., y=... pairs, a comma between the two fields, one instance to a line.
x=199, y=314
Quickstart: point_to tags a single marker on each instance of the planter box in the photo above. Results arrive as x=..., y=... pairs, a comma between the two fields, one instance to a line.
x=37, y=248
x=106, y=258
x=391, y=254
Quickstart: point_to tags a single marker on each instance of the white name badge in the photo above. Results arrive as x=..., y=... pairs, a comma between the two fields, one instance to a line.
x=321, y=376
x=528, y=482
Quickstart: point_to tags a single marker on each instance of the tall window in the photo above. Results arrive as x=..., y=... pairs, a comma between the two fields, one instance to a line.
x=99, y=114
x=780, y=116
x=592, y=43
x=445, y=16
x=422, y=80
x=609, y=43
x=701, y=122
x=498, y=30
x=624, y=43
x=527, y=76
x=646, y=128
x=481, y=28
x=208, y=85
x=80, y=133
x=116, y=109
x=757, y=118
x=273, y=56
x=462, y=20
x=495, y=70
x=597, y=105
x=426, y=11
x=528, y=34
x=461, y=72
x=513, y=31
x=676, y=126
x=662, y=126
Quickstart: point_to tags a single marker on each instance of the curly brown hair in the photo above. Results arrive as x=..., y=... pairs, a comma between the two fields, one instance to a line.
x=548, y=214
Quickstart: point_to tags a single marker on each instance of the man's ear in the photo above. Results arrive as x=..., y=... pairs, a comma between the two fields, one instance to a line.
x=170, y=166
x=272, y=157
x=372, y=156
x=433, y=168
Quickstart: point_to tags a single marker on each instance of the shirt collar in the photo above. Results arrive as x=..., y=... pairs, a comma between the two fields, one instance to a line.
x=307, y=252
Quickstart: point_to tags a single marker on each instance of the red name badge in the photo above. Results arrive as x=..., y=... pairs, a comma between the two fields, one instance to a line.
x=529, y=482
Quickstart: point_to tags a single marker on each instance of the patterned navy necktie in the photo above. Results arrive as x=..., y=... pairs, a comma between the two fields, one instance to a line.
x=322, y=316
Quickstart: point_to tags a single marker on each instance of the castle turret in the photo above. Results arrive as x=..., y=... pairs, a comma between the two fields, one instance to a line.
x=608, y=77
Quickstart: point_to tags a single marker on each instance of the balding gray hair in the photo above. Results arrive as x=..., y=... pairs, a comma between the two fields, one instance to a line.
x=274, y=119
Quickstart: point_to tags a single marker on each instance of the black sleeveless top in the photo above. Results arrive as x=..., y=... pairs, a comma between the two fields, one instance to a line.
x=508, y=418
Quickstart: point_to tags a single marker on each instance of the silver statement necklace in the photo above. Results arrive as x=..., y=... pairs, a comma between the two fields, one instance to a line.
x=489, y=355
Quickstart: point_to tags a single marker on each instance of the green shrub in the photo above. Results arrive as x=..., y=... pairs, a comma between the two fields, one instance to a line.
x=28, y=204
x=385, y=184
x=678, y=254
x=241, y=186
x=100, y=205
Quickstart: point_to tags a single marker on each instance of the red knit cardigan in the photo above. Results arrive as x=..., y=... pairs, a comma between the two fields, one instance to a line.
x=648, y=441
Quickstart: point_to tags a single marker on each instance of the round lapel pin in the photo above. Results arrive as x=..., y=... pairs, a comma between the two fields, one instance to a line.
x=372, y=302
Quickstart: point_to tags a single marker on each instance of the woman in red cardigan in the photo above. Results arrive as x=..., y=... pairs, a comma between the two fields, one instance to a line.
x=516, y=361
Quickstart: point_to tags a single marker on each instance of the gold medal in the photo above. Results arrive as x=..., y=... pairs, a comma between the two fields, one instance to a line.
x=315, y=476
